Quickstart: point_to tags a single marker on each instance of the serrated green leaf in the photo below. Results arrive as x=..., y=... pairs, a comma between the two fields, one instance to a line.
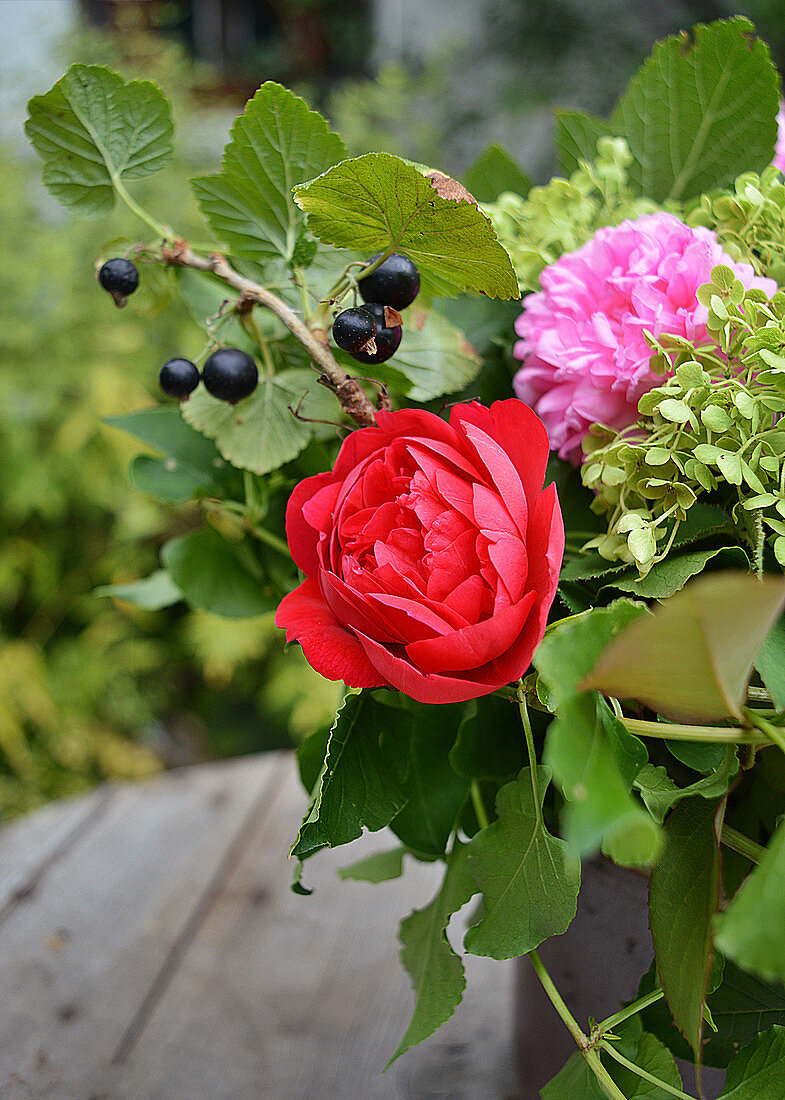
x=310, y=756
x=660, y=793
x=152, y=593
x=217, y=576
x=489, y=743
x=683, y=898
x=378, y=202
x=434, y=357
x=261, y=433
x=699, y=113
x=751, y=931
x=380, y=867
x=435, y=793
x=758, y=1071
x=275, y=144
x=528, y=878
x=363, y=779
x=691, y=659
x=434, y=968
x=576, y=137
x=667, y=577
x=493, y=172
x=93, y=129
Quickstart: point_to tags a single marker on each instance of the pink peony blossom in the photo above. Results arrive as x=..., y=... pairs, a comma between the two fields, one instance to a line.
x=584, y=355
x=779, y=150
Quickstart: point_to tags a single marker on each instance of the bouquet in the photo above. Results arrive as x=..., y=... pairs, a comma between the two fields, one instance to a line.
x=509, y=462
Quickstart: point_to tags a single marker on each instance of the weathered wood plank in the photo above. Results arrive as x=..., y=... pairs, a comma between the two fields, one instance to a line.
x=305, y=997
x=79, y=957
x=31, y=845
x=165, y=957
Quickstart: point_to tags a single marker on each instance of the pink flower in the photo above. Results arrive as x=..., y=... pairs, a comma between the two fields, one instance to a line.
x=585, y=358
x=779, y=150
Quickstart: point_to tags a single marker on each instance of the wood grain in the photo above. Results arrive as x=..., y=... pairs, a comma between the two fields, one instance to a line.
x=162, y=954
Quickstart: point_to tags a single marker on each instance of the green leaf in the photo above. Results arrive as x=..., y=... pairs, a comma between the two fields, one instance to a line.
x=660, y=793
x=93, y=129
x=701, y=757
x=378, y=202
x=435, y=357
x=152, y=593
x=698, y=113
x=575, y=1081
x=434, y=968
x=703, y=521
x=489, y=743
x=169, y=480
x=758, y=1071
x=363, y=779
x=310, y=756
x=380, y=867
x=164, y=429
x=436, y=793
x=691, y=659
x=206, y=300
x=740, y=1007
x=683, y=898
x=576, y=137
x=528, y=878
x=276, y=143
x=751, y=931
x=667, y=577
x=592, y=755
x=770, y=663
x=217, y=576
x=261, y=433
x=495, y=171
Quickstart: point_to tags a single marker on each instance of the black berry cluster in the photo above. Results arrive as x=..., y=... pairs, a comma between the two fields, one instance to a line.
x=228, y=374
x=371, y=333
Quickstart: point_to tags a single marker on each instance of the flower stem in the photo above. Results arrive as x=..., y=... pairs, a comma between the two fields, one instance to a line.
x=479, y=806
x=644, y=1073
x=604, y=1079
x=527, y=729
x=631, y=1010
x=773, y=733
x=160, y=230
x=744, y=845
x=729, y=735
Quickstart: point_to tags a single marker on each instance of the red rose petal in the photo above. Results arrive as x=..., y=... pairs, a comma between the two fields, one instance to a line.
x=475, y=645
x=329, y=648
x=302, y=537
x=401, y=674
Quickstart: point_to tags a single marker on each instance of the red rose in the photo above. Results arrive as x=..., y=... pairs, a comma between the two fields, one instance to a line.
x=431, y=553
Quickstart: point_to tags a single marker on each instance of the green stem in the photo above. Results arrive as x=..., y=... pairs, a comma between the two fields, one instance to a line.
x=644, y=1073
x=729, y=735
x=479, y=806
x=160, y=230
x=604, y=1079
x=773, y=733
x=742, y=844
x=527, y=729
x=271, y=540
x=631, y=1010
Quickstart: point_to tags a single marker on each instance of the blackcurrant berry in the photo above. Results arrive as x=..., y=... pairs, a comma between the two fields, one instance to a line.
x=394, y=283
x=120, y=278
x=230, y=375
x=387, y=339
x=179, y=378
x=353, y=328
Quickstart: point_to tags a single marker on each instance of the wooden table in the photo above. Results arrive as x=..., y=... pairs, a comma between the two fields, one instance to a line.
x=151, y=947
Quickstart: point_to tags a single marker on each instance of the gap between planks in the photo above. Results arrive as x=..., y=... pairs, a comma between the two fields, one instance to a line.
x=199, y=915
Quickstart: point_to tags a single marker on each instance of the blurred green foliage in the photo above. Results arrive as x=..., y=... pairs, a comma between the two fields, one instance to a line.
x=92, y=688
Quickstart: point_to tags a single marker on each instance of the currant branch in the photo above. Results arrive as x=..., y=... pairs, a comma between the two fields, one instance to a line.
x=352, y=397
